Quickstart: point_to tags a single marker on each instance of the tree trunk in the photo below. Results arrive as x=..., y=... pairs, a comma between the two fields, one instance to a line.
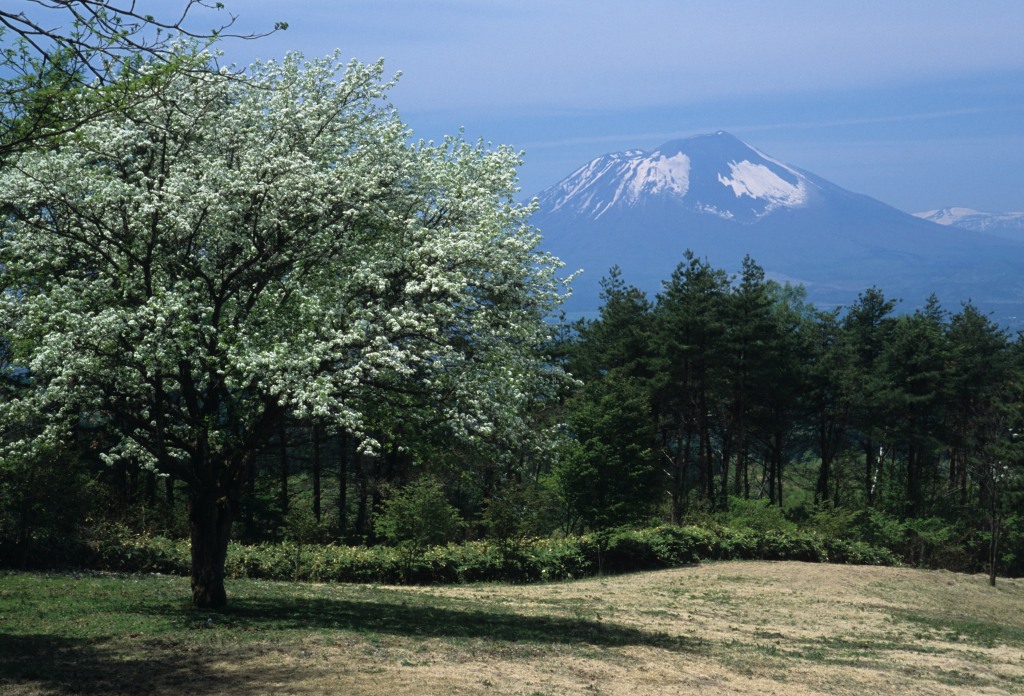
x=283, y=468
x=913, y=475
x=726, y=456
x=209, y=519
x=741, y=460
x=680, y=472
x=778, y=469
x=993, y=547
x=150, y=489
x=343, y=486
x=823, y=487
x=746, y=475
x=705, y=452
x=316, y=472
x=249, y=511
x=869, y=472
x=362, y=490
x=993, y=541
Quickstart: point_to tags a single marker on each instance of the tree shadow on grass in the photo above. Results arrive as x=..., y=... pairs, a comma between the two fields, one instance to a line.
x=49, y=664
x=183, y=661
x=418, y=620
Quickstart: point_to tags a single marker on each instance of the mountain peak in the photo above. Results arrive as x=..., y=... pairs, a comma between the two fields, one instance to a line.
x=724, y=200
x=718, y=139
x=715, y=174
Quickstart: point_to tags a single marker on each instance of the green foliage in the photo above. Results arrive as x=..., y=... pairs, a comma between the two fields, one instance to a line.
x=925, y=542
x=44, y=502
x=605, y=476
x=516, y=512
x=301, y=527
x=479, y=561
x=757, y=515
x=1012, y=556
x=118, y=549
x=834, y=523
x=417, y=516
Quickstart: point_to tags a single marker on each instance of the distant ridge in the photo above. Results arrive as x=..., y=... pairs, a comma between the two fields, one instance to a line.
x=1010, y=225
x=724, y=199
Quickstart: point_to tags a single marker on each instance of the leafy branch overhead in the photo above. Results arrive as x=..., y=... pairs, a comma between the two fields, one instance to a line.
x=51, y=49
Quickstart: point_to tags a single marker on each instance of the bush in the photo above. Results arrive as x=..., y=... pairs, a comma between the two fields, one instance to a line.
x=417, y=516
x=115, y=548
x=480, y=561
x=516, y=513
x=757, y=515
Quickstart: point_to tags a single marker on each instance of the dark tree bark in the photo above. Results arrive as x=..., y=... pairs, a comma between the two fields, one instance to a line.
x=209, y=517
x=316, y=472
x=283, y=468
x=343, y=449
x=869, y=472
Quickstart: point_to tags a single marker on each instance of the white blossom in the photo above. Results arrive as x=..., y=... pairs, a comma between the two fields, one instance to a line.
x=232, y=250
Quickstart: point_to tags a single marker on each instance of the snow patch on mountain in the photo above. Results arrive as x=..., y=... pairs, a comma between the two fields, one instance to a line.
x=761, y=183
x=1008, y=225
x=972, y=219
x=712, y=210
x=583, y=178
x=622, y=178
x=658, y=173
x=947, y=216
x=715, y=175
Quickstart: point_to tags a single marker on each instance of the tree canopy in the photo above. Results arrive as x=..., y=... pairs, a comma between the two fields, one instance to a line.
x=235, y=251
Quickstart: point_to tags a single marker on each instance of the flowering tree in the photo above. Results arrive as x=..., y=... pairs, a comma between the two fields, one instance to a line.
x=237, y=251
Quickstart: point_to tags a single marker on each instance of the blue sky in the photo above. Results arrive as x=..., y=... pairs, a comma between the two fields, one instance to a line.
x=917, y=103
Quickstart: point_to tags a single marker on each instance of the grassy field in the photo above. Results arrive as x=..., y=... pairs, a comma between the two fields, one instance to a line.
x=736, y=627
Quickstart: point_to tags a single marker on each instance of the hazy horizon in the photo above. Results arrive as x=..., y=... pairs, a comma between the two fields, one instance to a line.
x=917, y=105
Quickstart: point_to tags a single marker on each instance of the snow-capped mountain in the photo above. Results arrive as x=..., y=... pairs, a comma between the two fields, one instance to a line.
x=724, y=199
x=1010, y=225
x=684, y=172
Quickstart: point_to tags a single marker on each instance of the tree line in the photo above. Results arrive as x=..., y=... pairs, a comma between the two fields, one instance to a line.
x=718, y=390
x=244, y=305
x=744, y=390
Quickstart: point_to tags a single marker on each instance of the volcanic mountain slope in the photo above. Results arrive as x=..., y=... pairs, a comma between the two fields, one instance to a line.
x=723, y=199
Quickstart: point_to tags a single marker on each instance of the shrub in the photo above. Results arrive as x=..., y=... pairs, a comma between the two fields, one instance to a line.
x=418, y=515
x=757, y=515
x=542, y=559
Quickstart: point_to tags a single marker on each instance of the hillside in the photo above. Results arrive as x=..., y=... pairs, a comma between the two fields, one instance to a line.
x=735, y=627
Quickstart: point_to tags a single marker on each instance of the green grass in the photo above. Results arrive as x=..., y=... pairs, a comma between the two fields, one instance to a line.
x=64, y=630
x=124, y=634
x=955, y=628
x=114, y=608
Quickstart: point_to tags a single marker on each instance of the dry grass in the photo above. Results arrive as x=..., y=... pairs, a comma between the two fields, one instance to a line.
x=738, y=627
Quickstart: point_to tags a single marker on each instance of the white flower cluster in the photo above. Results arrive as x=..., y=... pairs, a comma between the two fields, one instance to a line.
x=232, y=250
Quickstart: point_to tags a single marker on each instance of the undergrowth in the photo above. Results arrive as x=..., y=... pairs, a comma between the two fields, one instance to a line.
x=534, y=560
